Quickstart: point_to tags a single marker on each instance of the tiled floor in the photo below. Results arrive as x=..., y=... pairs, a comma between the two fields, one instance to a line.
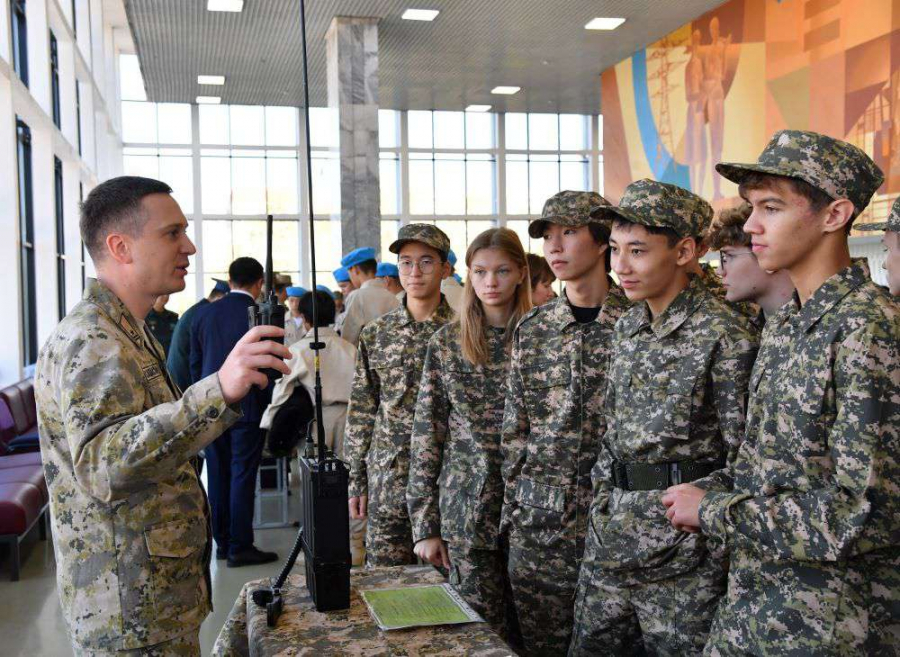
x=31, y=622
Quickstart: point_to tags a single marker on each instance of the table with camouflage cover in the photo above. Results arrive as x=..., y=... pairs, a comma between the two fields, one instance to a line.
x=302, y=630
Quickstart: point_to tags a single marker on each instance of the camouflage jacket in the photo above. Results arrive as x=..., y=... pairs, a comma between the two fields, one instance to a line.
x=389, y=363
x=812, y=522
x=553, y=419
x=455, y=489
x=677, y=392
x=130, y=520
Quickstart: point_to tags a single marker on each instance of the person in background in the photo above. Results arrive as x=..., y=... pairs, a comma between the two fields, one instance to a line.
x=455, y=490
x=161, y=322
x=293, y=322
x=179, y=358
x=541, y=277
x=371, y=299
x=391, y=277
x=338, y=297
x=342, y=276
x=891, y=240
x=324, y=288
x=451, y=287
x=742, y=277
x=280, y=283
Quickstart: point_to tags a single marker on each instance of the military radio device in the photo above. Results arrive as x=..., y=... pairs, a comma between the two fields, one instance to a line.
x=324, y=535
x=269, y=312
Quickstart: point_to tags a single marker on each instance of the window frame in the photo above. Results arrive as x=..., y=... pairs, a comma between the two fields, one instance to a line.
x=27, y=280
x=19, y=39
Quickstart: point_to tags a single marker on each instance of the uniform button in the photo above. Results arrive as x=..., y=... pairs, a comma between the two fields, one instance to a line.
x=212, y=413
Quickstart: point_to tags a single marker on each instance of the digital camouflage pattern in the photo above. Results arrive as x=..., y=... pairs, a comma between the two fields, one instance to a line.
x=552, y=427
x=130, y=519
x=652, y=203
x=812, y=522
x=389, y=364
x=568, y=208
x=892, y=224
x=677, y=392
x=839, y=169
x=455, y=488
x=301, y=630
x=425, y=233
x=187, y=645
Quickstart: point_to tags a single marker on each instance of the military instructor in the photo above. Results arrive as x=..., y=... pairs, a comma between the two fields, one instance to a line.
x=130, y=518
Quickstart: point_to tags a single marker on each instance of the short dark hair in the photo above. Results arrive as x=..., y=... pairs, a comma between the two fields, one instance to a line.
x=729, y=229
x=324, y=306
x=116, y=204
x=245, y=271
x=538, y=270
x=368, y=267
x=817, y=199
x=600, y=233
x=670, y=234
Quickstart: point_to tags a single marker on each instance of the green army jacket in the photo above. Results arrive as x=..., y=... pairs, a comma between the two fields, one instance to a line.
x=129, y=517
x=455, y=488
x=553, y=419
x=812, y=523
x=389, y=363
x=677, y=392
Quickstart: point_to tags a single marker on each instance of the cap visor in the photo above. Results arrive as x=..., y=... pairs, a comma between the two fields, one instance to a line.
x=396, y=245
x=537, y=227
x=871, y=227
x=737, y=173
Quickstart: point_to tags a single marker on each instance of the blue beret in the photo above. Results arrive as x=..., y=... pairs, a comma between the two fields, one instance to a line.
x=387, y=269
x=324, y=288
x=341, y=275
x=221, y=286
x=451, y=258
x=358, y=256
x=296, y=291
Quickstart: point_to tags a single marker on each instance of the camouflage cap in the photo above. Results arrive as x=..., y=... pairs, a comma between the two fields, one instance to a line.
x=568, y=209
x=892, y=224
x=652, y=203
x=426, y=234
x=838, y=169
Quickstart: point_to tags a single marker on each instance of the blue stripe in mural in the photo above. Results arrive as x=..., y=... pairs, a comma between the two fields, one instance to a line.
x=664, y=167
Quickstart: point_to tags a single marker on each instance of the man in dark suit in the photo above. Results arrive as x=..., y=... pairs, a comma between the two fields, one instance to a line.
x=233, y=459
x=179, y=355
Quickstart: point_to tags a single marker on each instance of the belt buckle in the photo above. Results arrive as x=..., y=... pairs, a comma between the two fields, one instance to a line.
x=674, y=474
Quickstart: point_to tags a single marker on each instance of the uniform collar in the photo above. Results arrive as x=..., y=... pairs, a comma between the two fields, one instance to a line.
x=373, y=282
x=683, y=306
x=441, y=315
x=829, y=294
x=101, y=296
x=560, y=311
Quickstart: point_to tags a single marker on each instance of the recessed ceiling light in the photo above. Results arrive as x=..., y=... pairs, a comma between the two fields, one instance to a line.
x=604, y=23
x=506, y=91
x=208, y=100
x=225, y=5
x=211, y=79
x=420, y=14
x=478, y=108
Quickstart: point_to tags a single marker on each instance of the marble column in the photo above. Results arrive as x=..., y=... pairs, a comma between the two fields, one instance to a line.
x=352, y=49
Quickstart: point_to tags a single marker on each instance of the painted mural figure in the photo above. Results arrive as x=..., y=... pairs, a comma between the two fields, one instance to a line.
x=714, y=59
x=695, y=131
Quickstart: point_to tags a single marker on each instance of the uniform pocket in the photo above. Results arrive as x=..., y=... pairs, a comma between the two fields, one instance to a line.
x=546, y=391
x=176, y=563
x=539, y=509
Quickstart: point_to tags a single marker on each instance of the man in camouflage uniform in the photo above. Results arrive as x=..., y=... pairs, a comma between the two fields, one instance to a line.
x=675, y=412
x=389, y=363
x=130, y=519
x=891, y=239
x=812, y=522
x=553, y=422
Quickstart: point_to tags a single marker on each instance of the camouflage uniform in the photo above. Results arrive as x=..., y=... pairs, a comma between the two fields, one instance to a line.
x=130, y=519
x=676, y=399
x=552, y=426
x=389, y=364
x=812, y=522
x=455, y=488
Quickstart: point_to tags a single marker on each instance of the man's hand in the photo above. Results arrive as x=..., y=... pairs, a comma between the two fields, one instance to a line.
x=433, y=550
x=359, y=506
x=683, y=507
x=252, y=353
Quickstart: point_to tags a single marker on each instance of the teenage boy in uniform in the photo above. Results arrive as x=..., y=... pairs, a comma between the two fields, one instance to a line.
x=371, y=299
x=675, y=412
x=553, y=421
x=389, y=364
x=811, y=524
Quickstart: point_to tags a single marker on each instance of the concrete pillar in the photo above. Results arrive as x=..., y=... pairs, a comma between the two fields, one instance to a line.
x=352, y=49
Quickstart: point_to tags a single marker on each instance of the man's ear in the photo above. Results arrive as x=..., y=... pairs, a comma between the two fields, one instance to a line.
x=686, y=250
x=118, y=247
x=445, y=269
x=837, y=215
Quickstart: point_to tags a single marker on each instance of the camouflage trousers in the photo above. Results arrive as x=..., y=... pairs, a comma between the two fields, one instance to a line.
x=668, y=617
x=389, y=540
x=187, y=645
x=480, y=577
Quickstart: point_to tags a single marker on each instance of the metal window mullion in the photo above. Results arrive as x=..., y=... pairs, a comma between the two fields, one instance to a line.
x=196, y=163
x=404, y=169
x=303, y=189
x=500, y=177
x=595, y=153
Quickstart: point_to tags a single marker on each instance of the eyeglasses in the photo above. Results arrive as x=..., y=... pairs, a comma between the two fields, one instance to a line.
x=725, y=258
x=425, y=265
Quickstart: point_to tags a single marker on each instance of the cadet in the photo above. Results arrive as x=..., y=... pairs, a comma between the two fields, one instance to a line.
x=162, y=322
x=391, y=277
x=130, y=519
x=812, y=523
x=675, y=412
x=742, y=277
x=553, y=421
x=345, y=285
x=451, y=287
x=891, y=239
x=382, y=405
x=455, y=490
x=294, y=329
x=371, y=299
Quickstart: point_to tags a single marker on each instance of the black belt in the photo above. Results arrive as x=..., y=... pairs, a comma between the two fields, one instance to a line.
x=659, y=476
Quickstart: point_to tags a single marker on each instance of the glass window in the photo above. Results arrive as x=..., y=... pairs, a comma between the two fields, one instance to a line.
x=328, y=234
x=248, y=186
x=573, y=132
x=146, y=166
x=450, y=187
x=480, y=187
x=214, y=124
x=449, y=130
x=281, y=126
x=326, y=176
x=600, y=139
x=543, y=132
x=456, y=231
x=285, y=245
x=521, y=229
x=249, y=238
x=131, y=82
x=480, y=130
x=178, y=172
x=139, y=122
x=388, y=129
x=516, y=132
x=421, y=185
x=281, y=182
x=20, y=40
x=324, y=129
x=419, y=128
x=174, y=123
x=543, y=182
x=247, y=125
x=217, y=245
x=215, y=181
x=574, y=175
x=389, y=230
x=389, y=183
x=516, y=185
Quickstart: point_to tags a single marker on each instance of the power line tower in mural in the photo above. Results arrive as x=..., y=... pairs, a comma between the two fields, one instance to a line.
x=659, y=71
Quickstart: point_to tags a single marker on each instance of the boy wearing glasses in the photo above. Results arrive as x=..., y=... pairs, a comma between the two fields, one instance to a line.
x=742, y=277
x=389, y=363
